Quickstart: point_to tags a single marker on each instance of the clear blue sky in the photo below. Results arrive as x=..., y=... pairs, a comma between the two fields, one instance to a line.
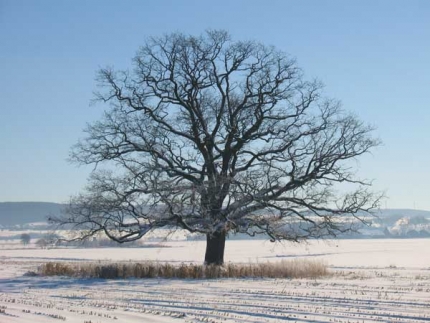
x=373, y=55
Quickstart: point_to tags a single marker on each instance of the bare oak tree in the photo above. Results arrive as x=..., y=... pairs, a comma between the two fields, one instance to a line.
x=215, y=136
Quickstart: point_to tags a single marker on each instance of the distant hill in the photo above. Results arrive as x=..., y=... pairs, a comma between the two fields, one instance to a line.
x=20, y=213
x=13, y=213
x=391, y=216
x=402, y=212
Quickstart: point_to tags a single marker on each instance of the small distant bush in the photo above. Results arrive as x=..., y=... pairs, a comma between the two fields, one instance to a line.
x=41, y=243
x=25, y=239
x=283, y=269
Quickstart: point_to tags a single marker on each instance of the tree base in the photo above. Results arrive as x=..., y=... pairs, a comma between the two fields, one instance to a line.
x=215, y=245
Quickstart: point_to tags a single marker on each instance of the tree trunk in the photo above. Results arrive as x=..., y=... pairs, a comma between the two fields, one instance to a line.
x=215, y=244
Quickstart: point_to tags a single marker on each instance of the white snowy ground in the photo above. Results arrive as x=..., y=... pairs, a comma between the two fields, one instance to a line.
x=373, y=281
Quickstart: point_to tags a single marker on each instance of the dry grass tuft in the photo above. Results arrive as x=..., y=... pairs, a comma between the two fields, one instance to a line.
x=283, y=269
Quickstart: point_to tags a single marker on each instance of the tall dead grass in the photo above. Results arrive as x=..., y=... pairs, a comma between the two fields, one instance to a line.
x=285, y=269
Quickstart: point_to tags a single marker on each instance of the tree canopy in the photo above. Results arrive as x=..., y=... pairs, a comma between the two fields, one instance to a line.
x=214, y=136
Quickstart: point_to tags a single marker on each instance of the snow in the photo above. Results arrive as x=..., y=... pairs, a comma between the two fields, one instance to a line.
x=373, y=280
x=355, y=253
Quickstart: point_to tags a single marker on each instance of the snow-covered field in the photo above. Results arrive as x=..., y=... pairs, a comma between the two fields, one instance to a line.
x=373, y=281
